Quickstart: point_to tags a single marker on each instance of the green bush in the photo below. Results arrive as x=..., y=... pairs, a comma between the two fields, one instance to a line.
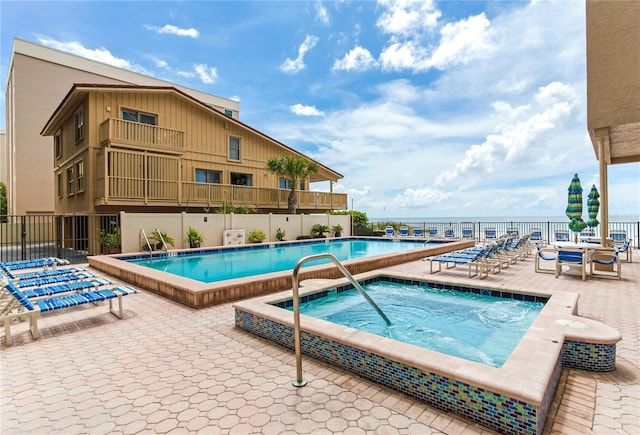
x=256, y=236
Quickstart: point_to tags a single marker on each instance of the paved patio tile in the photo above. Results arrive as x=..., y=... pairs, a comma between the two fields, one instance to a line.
x=166, y=368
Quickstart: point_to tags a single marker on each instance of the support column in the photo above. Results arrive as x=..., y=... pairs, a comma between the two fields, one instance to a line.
x=604, y=192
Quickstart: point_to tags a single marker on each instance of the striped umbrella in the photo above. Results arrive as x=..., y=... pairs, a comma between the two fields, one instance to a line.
x=593, y=205
x=574, y=206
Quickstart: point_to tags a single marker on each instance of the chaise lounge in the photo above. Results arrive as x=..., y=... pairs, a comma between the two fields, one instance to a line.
x=22, y=308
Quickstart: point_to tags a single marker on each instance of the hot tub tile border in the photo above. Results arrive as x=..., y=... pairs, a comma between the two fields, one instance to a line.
x=490, y=409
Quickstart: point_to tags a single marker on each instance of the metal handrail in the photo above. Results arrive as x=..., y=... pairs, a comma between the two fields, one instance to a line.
x=146, y=239
x=164, y=244
x=299, y=381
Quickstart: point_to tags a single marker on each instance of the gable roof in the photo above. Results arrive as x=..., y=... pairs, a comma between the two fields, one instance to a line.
x=78, y=92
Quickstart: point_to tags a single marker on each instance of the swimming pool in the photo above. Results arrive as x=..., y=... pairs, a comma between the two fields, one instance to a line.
x=480, y=328
x=512, y=399
x=225, y=264
x=199, y=294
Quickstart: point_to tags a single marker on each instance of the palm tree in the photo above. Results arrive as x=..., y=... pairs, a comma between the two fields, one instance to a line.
x=292, y=169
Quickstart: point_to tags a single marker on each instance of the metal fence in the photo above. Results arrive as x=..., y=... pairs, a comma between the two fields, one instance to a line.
x=23, y=237
x=548, y=228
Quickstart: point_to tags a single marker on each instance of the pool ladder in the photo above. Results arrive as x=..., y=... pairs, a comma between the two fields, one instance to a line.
x=143, y=235
x=299, y=381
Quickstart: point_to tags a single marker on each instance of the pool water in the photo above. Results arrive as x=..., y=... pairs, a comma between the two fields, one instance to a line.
x=479, y=328
x=223, y=264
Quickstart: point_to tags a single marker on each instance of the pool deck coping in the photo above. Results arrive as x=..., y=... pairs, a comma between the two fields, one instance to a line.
x=198, y=294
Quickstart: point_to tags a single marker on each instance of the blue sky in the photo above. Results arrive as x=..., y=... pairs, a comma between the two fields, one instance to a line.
x=428, y=109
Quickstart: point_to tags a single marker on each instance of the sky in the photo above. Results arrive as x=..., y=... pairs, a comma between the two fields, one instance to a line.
x=427, y=108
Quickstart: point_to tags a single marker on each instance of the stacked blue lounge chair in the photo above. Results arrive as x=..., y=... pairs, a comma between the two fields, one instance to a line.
x=27, y=309
x=67, y=287
x=12, y=275
x=417, y=232
x=51, y=262
x=404, y=231
x=54, y=279
x=466, y=256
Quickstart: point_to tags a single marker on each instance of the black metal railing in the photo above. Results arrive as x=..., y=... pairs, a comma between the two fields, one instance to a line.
x=547, y=228
x=24, y=237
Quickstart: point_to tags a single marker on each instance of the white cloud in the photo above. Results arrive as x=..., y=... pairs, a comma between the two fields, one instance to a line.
x=207, y=74
x=407, y=17
x=322, y=14
x=420, y=197
x=293, y=66
x=403, y=55
x=186, y=74
x=462, y=42
x=521, y=139
x=98, y=54
x=173, y=30
x=358, y=59
x=301, y=110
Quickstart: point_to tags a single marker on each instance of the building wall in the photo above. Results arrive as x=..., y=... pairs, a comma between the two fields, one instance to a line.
x=206, y=134
x=38, y=79
x=613, y=67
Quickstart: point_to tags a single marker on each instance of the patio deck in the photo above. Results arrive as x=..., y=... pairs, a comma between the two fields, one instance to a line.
x=167, y=368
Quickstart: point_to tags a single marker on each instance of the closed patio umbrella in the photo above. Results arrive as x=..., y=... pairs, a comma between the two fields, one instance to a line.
x=574, y=206
x=593, y=205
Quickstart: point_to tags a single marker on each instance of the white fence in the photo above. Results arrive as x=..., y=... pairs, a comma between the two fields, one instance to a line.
x=213, y=226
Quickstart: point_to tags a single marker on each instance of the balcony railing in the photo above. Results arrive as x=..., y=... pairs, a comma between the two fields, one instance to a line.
x=137, y=191
x=134, y=134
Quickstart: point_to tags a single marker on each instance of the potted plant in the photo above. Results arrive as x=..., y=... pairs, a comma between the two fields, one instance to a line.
x=318, y=230
x=280, y=235
x=256, y=236
x=337, y=229
x=194, y=237
x=111, y=240
x=158, y=236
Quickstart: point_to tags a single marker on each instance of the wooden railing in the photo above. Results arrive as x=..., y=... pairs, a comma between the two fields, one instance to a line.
x=118, y=131
x=214, y=195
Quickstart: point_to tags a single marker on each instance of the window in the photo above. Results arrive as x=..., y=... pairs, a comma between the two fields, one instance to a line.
x=57, y=140
x=60, y=185
x=80, y=176
x=228, y=112
x=208, y=176
x=79, y=126
x=285, y=183
x=234, y=148
x=141, y=117
x=70, y=181
x=241, y=179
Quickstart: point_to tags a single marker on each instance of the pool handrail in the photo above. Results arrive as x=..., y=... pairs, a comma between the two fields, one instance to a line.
x=299, y=381
x=146, y=239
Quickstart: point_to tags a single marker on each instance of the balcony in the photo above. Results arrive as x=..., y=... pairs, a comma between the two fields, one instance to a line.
x=125, y=191
x=114, y=132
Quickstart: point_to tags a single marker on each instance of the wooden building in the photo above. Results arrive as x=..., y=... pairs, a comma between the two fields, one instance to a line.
x=156, y=148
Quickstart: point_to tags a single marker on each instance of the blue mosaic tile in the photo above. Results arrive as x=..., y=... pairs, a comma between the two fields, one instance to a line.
x=496, y=411
x=594, y=357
